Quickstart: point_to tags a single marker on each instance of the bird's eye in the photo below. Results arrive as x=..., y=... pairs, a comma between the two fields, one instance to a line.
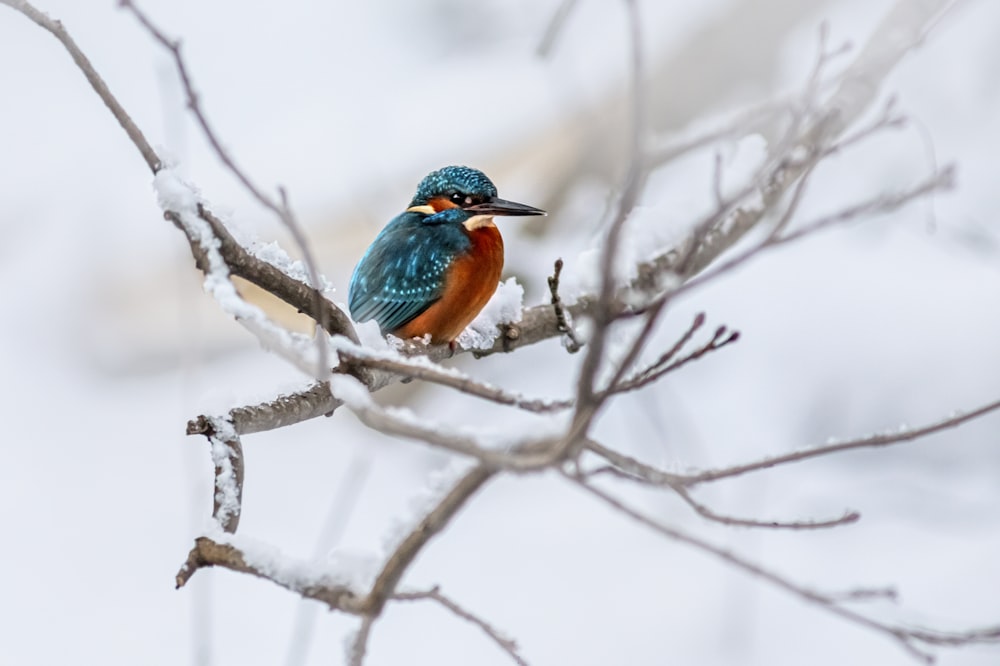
x=456, y=197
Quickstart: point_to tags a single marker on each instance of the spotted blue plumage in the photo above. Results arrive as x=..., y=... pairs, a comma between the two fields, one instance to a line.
x=461, y=179
x=403, y=272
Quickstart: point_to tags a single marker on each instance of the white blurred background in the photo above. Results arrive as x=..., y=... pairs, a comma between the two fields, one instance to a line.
x=109, y=345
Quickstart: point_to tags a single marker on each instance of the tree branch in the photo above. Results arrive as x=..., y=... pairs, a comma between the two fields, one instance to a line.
x=871, y=441
x=908, y=639
x=282, y=210
x=434, y=594
x=96, y=81
x=359, y=357
x=571, y=340
x=653, y=476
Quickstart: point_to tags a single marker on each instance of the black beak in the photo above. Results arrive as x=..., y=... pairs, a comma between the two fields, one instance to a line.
x=497, y=206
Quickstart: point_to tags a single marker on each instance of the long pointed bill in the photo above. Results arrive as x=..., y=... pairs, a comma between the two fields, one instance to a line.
x=503, y=207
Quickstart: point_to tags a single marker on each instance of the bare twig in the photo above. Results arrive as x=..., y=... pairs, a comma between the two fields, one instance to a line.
x=359, y=646
x=532, y=455
x=634, y=468
x=655, y=476
x=908, y=639
x=619, y=471
x=435, y=521
x=434, y=594
x=604, y=306
x=884, y=203
x=866, y=594
x=720, y=200
x=96, y=81
x=282, y=210
x=451, y=379
x=571, y=341
x=670, y=148
x=871, y=441
x=721, y=338
x=876, y=205
x=623, y=366
x=707, y=513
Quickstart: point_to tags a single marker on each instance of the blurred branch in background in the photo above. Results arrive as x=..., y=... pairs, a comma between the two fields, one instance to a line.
x=627, y=308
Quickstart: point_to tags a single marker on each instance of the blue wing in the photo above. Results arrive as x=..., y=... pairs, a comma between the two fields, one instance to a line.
x=404, y=270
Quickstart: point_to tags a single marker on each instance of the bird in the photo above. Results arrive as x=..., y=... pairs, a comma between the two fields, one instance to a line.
x=434, y=266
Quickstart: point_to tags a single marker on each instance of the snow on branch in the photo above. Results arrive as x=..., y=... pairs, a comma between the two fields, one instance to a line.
x=282, y=210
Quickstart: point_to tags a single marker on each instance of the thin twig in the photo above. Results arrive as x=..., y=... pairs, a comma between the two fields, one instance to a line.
x=707, y=513
x=451, y=379
x=533, y=454
x=906, y=638
x=282, y=210
x=717, y=182
x=359, y=646
x=871, y=441
x=876, y=205
x=656, y=476
x=96, y=81
x=604, y=306
x=884, y=203
x=699, y=321
x=434, y=594
x=572, y=342
x=431, y=525
x=670, y=148
x=793, y=204
x=720, y=339
x=867, y=594
x=587, y=404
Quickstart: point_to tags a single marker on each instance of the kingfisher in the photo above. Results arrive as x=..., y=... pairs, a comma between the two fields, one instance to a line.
x=435, y=265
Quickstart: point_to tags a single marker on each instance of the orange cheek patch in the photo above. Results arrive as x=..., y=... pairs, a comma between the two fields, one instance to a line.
x=441, y=203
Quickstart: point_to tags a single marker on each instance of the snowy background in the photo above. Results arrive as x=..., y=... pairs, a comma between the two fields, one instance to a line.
x=109, y=345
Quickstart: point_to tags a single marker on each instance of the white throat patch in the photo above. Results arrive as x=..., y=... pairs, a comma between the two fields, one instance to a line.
x=478, y=222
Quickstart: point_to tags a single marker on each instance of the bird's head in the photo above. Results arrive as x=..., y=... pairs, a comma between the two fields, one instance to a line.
x=469, y=193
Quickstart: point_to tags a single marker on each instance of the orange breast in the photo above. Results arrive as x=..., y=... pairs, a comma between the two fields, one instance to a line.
x=472, y=279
